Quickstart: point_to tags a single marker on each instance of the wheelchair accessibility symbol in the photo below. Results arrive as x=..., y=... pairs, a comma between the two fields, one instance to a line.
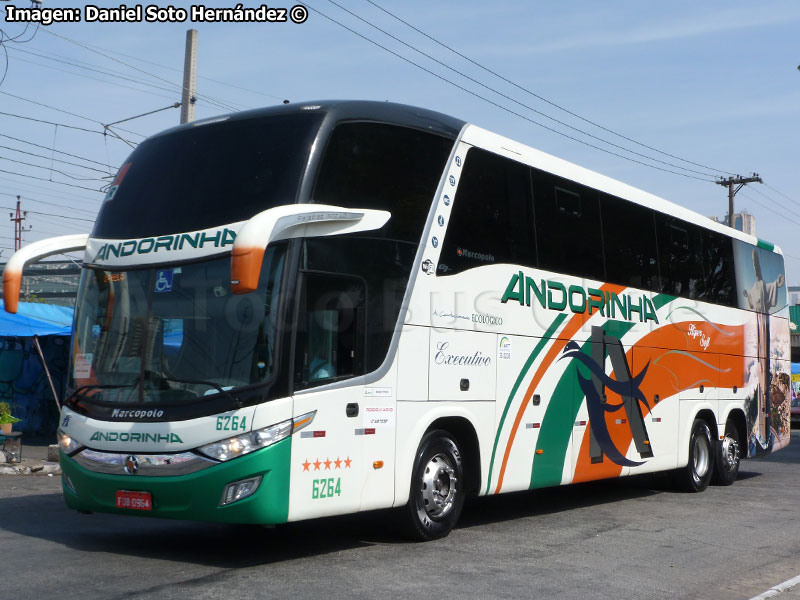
x=164, y=280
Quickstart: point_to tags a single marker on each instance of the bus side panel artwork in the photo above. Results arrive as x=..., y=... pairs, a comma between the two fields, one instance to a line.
x=668, y=364
x=516, y=354
x=761, y=288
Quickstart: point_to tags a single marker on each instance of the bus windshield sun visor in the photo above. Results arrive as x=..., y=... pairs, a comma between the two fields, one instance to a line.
x=34, y=252
x=292, y=221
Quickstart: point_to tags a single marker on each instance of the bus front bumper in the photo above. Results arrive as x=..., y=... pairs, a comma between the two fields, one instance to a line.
x=196, y=496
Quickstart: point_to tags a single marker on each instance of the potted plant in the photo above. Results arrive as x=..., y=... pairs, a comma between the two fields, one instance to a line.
x=6, y=420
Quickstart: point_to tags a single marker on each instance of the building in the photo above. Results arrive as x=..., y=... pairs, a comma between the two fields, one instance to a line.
x=743, y=221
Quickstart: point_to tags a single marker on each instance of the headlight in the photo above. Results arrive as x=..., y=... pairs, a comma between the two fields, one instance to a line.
x=245, y=443
x=67, y=444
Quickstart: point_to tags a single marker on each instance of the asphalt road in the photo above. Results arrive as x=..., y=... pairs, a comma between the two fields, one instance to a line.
x=634, y=538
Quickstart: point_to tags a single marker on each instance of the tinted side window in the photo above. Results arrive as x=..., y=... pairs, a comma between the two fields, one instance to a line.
x=681, y=257
x=568, y=233
x=720, y=272
x=372, y=165
x=631, y=251
x=383, y=265
x=491, y=217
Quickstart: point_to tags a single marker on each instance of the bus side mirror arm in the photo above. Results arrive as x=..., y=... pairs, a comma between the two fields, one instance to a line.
x=292, y=221
x=34, y=252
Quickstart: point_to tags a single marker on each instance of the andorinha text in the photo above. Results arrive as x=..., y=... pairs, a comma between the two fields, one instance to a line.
x=150, y=13
x=139, y=438
x=554, y=295
x=167, y=243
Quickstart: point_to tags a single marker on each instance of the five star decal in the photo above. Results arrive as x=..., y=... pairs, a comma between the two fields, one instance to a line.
x=327, y=464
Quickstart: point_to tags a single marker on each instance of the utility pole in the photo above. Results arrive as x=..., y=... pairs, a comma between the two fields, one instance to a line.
x=189, y=77
x=734, y=184
x=18, y=218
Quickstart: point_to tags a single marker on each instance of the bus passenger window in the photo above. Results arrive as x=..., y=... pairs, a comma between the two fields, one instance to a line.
x=682, y=262
x=569, y=238
x=491, y=219
x=629, y=243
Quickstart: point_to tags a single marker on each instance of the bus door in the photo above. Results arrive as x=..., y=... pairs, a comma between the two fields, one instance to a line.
x=328, y=470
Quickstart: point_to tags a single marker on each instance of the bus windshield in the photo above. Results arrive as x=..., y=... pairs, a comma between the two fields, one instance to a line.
x=169, y=335
x=206, y=175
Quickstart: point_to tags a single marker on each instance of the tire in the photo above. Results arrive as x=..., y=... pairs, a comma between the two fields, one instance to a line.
x=727, y=456
x=437, y=488
x=696, y=475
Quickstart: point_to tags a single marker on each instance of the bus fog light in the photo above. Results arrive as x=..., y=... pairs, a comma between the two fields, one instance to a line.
x=238, y=490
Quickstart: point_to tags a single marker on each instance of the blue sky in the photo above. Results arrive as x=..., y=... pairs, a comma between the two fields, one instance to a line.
x=715, y=83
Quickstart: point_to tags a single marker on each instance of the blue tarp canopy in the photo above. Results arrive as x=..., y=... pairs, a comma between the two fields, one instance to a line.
x=36, y=319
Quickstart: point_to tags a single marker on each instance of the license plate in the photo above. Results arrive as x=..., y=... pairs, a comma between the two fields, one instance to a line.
x=134, y=500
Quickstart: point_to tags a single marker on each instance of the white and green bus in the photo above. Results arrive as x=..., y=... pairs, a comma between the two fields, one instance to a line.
x=333, y=307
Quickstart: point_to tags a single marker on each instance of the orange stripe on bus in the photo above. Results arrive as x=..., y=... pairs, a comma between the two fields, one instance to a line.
x=669, y=373
x=571, y=328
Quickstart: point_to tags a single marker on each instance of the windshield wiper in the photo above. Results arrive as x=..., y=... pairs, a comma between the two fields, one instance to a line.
x=216, y=386
x=79, y=392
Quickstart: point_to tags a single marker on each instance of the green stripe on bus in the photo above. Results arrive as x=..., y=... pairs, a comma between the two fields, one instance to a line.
x=559, y=418
x=534, y=354
x=766, y=245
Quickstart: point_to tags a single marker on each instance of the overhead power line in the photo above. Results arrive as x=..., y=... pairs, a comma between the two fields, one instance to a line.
x=211, y=79
x=84, y=129
x=762, y=194
x=771, y=209
x=517, y=102
x=500, y=106
x=208, y=98
x=72, y=208
x=539, y=97
x=82, y=187
x=115, y=75
x=42, y=190
x=72, y=114
x=51, y=169
x=104, y=81
x=52, y=159
x=782, y=194
x=57, y=151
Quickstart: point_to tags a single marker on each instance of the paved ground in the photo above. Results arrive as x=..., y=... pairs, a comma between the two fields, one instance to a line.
x=615, y=540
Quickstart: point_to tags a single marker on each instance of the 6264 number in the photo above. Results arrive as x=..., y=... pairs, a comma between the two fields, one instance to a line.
x=232, y=423
x=326, y=488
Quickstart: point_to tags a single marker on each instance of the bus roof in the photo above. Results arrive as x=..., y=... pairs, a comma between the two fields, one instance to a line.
x=348, y=110
x=419, y=118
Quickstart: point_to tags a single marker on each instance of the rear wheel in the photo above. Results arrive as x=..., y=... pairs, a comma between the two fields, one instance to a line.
x=695, y=476
x=437, y=488
x=727, y=457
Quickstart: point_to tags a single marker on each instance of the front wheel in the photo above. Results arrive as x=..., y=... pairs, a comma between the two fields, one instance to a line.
x=696, y=475
x=437, y=487
x=728, y=456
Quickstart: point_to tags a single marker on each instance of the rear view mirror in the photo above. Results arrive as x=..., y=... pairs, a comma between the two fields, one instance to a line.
x=292, y=221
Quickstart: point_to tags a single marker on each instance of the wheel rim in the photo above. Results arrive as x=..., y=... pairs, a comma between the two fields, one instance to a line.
x=730, y=453
x=702, y=457
x=439, y=486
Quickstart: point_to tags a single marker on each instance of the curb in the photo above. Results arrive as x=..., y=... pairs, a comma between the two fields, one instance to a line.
x=40, y=468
